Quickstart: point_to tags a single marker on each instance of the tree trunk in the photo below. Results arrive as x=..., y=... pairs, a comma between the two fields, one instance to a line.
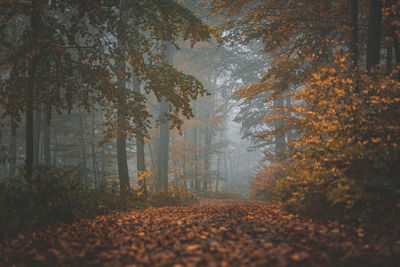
x=217, y=178
x=37, y=114
x=184, y=161
x=164, y=130
x=3, y=156
x=389, y=57
x=164, y=147
x=121, y=124
x=207, y=145
x=196, y=159
x=280, y=143
x=354, y=32
x=32, y=69
x=13, y=147
x=95, y=175
x=83, y=148
x=140, y=156
x=153, y=162
x=374, y=34
x=46, y=137
x=396, y=47
x=226, y=174
x=55, y=151
x=103, y=162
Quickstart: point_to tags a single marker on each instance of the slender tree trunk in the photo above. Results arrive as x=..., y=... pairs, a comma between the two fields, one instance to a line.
x=164, y=147
x=374, y=34
x=13, y=147
x=32, y=69
x=226, y=174
x=153, y=162
x=37, y=114
x=393, y=27
x=94, y=152
x=207, y=145
x=3, y=161
x=103, y=162
x=55, y=151
x=140, y=156
x=389, y=57
x=83, y=148
x=196, y=159
x=218, y=171
x=164, y=130
x=354, y=32
x=121, y=138
x=280, y=143
x=396, y=47
x=47, y=137
x=184, y=160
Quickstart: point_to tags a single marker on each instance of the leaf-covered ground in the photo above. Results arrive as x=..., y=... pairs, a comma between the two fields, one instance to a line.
x=212, y=233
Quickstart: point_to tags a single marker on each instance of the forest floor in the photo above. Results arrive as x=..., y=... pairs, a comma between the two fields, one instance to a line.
x=212, y=233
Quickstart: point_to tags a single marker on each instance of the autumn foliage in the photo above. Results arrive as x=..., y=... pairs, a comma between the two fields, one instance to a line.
x=332, y=103
x=212, y=233
x=346, y=159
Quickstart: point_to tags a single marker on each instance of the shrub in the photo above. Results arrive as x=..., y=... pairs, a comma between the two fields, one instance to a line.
x=174, y=195
x=56, y=194
x=346, y=160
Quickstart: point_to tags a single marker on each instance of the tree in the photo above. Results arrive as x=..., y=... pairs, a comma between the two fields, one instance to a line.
x=338, y=101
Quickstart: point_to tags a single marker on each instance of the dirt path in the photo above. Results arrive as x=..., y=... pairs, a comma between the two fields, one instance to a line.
x=212, y=233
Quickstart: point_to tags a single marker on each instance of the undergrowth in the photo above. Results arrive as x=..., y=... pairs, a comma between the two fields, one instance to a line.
x=57, y=194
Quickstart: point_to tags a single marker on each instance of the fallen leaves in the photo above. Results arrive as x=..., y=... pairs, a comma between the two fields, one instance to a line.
x=212, y=233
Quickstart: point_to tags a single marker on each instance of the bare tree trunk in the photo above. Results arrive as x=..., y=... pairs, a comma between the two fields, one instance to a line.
x=103, y=162
x=3, y=156
x=32, y=69
x=207, y=145
x=121, y=138
x=47, y=137
x=83, y=148
x=184, y=161
x=36, y=136
x=153, y=162
x=140, y=156
x=226, y=174
x=354, y=31
x=389, y=57
x=392, y=32
x=13, y=147
x=218, y=171
x=164, y=147
x=280, y=142
x=164, y=130
x=196, y=159
x=55, y=151
x=95, y=175
x=374, y=34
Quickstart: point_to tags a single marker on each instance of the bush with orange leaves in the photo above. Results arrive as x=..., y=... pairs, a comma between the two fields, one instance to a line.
x=262, y=186
x=346, y=160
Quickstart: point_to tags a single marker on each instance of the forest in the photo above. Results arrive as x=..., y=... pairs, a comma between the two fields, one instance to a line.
x=199, y=133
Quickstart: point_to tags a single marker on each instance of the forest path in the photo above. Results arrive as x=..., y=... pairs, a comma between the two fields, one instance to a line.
x=212, y=233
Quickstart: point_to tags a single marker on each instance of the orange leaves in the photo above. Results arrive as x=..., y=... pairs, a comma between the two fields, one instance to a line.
x=348, y=129
x=193, y=247
x=213, y=233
